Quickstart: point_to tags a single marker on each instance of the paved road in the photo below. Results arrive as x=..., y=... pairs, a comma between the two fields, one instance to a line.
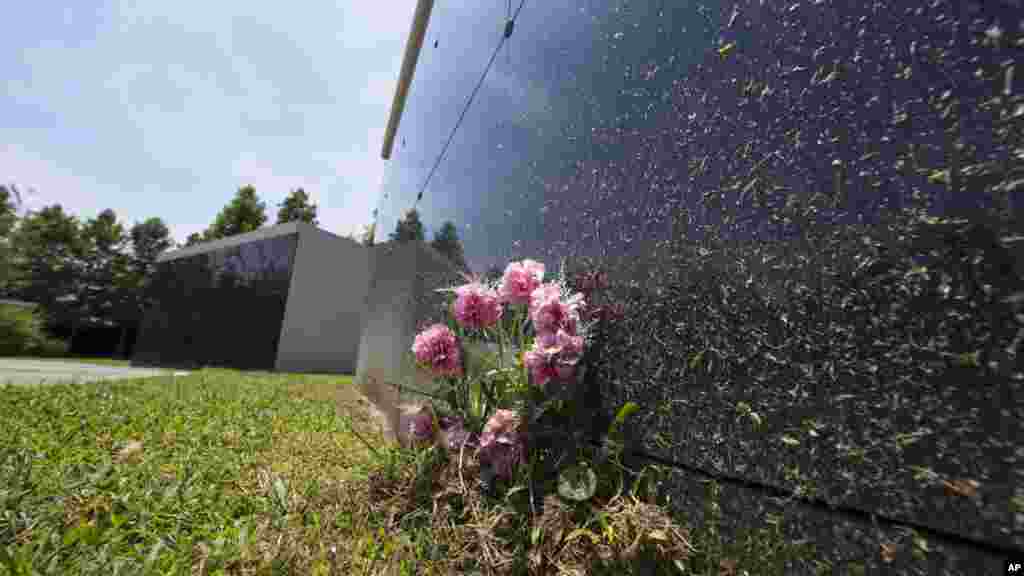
x=27, y=371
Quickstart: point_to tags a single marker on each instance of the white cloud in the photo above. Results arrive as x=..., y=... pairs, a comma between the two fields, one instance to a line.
x=168, y=108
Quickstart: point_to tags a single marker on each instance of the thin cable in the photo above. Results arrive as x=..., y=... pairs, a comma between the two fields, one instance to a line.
x=504, y=36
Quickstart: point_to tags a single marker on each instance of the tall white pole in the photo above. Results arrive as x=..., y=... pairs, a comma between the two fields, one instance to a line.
x=412, y=56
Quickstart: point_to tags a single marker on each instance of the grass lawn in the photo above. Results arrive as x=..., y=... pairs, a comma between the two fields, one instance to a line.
x=215, y=472
x=226, y=472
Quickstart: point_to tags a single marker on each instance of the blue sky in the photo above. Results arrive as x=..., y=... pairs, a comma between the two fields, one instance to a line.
x=157, y=108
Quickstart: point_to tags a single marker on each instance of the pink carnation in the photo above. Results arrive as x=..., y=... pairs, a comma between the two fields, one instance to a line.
x=476, y=306
x=455, y=435
x=541, y=366
x=520, y=280
x=501, y=445
x=421, y=427
x=570, y=345
x=501, y=422
x=553, y=356
x=438, y=348
x=549, y=312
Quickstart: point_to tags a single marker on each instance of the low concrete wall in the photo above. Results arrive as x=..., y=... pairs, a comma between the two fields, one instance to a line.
x=401, y=297
x=326, y=302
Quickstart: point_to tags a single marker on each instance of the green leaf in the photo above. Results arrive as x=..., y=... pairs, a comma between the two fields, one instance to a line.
x=1017, y=503
x=756, y=419
x=696, y=360
x=968, y=360
x=577, y=483
x=917, y=270
x=790, y=441
x=920, y=549
x=939, y=177
x=594, y=538
x=628, y=409
x=513, y=491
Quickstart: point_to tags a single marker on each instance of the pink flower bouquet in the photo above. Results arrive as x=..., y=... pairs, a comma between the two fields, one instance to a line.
x=539, y=322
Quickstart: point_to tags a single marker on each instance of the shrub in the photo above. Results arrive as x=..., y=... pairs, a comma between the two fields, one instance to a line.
x=21, y=333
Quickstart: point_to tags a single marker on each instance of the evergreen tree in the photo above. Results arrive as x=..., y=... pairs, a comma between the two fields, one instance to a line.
x=409, y=228
x=10, y=200
x=244, y=213
x=297, y=207
x=446, y=241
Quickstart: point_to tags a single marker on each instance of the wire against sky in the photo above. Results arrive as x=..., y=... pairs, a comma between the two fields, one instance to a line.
x=504, y=37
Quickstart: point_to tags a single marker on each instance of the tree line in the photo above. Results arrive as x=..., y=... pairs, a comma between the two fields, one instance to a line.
x=246, y=212
x=80, y=272
x=446, y=238
x=96, y=271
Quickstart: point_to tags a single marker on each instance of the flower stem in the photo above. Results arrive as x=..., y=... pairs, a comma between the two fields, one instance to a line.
x=521, y=319
x=501, y=348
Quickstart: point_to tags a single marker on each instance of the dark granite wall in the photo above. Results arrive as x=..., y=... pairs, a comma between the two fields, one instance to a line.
x=219, y=308
x=640, y=133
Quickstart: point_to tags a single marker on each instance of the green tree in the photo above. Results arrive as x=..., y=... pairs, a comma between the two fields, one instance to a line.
x=446, y=241
x=409, y=228
x=50, y=253
x=104, y=233
x=244, y=213
x=194, y=238
x=10, y=200
x=296, y=206
x=149, y=238
x=105, y=285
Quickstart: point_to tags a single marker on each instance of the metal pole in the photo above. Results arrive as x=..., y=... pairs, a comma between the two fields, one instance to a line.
x=412, y=55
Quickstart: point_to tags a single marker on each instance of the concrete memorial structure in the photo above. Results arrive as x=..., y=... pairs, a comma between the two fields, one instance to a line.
x=294, y=298
x=402, y=297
